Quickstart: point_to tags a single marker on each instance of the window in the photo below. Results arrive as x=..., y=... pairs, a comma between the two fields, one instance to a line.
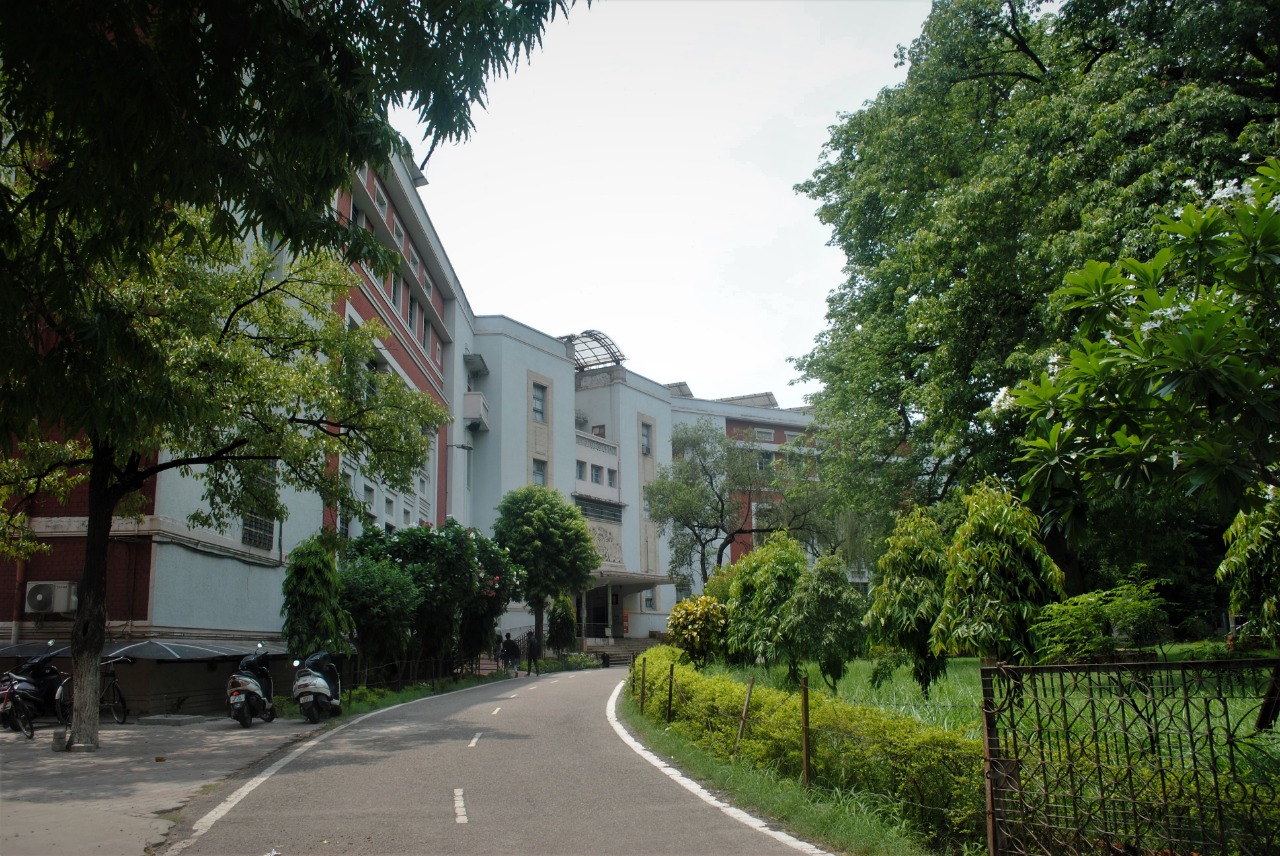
x=648, y=599
x=764, y=434
x=598, y=431
x=613, y=478
x=765, y=461
x=397, y=231
x=539, y=403
x=597, y=474
x=438, y=352
x=379, y=200
x=596, y=510
x=426, y=334
x=259, y=530
x=413, y=314
x=792, y=436
x=646, y=438
x=412, y=255
x=395, y=291
x=582, y=470
x=539, y=472
x=426, y=285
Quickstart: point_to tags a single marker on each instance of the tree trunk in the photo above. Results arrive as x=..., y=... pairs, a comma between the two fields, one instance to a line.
x=89, y=630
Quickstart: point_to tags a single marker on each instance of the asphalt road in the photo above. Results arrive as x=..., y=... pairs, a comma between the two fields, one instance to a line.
x=526, y=766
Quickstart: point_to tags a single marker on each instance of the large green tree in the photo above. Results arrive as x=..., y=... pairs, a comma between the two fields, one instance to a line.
x=719, y=488
x=1021, y=145
x=1173, y=376
x=380, y=596
x=120, y=114
x=225, y=362
x=547, y=537
x=463, y=581
x=115, y=121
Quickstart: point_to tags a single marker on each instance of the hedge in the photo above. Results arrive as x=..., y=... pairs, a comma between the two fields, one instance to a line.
x=931, y=774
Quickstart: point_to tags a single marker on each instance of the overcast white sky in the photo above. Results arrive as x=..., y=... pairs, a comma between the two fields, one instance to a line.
x=636, y=178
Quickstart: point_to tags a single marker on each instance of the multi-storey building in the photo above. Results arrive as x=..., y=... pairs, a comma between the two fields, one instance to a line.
x=528, y=407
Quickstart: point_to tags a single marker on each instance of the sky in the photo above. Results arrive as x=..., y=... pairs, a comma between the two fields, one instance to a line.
x=637, y=175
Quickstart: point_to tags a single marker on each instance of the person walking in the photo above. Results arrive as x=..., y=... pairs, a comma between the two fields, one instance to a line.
x=511, y=655
x=534, y=651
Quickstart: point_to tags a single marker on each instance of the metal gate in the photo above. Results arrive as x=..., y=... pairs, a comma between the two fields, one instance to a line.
x=1173, y=759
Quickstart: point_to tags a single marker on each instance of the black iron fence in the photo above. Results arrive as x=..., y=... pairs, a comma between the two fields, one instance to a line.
x=1172, y=759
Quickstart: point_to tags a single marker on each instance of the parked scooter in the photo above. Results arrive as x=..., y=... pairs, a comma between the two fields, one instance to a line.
x=317, y=687
x=30, y=690
x=250, y=690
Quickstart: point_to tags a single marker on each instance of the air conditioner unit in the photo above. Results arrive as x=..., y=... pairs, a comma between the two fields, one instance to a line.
x=52, y=596
x=644, y=450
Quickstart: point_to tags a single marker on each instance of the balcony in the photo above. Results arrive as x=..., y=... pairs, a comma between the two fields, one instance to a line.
x=475, y=411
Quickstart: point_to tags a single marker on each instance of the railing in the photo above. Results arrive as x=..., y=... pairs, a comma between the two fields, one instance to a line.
x=1133, y=758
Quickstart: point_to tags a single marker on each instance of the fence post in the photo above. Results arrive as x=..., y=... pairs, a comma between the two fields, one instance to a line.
x=671, y=686
x=644, y=664
x=804, y=731
x=742, y=723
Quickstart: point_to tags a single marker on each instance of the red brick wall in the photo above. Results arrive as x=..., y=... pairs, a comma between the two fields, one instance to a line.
x=128, y=577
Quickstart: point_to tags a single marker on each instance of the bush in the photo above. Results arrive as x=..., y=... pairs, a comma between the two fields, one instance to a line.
x=935, y=774
x=696, y=626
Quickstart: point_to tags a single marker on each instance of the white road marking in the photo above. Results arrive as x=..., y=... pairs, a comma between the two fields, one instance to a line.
x=474, y=741
x=495, y=711
x=459, y=807
x=201, y=826
x=611, y=712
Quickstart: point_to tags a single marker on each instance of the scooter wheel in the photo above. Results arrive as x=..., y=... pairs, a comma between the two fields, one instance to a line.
x=311, y=712
x=243, y=716
x=270, y=715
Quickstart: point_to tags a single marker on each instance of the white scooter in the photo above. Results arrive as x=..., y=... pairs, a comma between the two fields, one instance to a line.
x=317, y=687
x=250, y=690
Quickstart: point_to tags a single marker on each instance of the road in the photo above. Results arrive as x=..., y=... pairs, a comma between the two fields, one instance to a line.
x=525, y=766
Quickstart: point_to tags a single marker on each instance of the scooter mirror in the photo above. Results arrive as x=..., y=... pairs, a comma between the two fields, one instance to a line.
x=260, y=645
x=297, y=662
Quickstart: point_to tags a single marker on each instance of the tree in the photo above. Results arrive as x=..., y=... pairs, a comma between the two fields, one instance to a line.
x=719, y=488
x=907, y=598
x=462, y=579
x=762, y=583
x=255, y=114
x=562, y=621
x=1173, y=377
x=256, y=111
x=380, y=596
x=1021, y=145
x=822, y=620
x=1091, y=627
x=500, y=581
x=1252, y=567
x=547, y=537
x=224, y=361
x=314, y=617
x=998, y=577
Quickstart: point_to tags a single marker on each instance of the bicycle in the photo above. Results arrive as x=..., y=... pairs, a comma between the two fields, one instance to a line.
x=109, y=696
x=13, y=710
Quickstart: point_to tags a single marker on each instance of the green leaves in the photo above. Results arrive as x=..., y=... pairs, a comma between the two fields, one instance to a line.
x=1173, y=375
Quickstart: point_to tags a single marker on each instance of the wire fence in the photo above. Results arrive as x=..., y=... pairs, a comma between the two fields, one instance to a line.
x=1138, y=758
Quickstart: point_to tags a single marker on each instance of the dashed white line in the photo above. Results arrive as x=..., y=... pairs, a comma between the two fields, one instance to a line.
x=474, y=741
x=459, y=807
x=495, y=711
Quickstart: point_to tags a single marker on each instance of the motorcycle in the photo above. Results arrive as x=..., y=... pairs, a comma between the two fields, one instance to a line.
x=317, y=686
x=30, y=690
x=250, y=690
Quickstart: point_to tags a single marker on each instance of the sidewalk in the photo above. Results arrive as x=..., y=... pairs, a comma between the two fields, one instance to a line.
x=109, y=801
